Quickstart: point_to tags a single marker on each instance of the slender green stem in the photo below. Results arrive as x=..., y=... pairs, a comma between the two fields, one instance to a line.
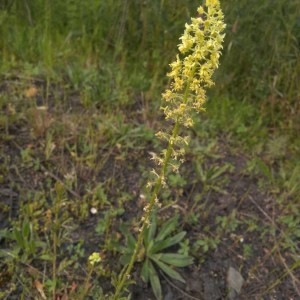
x=126, y=274
x=86, y=284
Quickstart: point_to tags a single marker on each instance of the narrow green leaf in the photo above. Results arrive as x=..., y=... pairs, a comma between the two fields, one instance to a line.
x=160, y=245
x=167, y=228
x=175, y=259
x=145, y=271
x=46, y=257
x=216, y=172
x=31, y=246
x=26, y=229
x=149, y=247
x=19, y=239
x=154, y=281
x=168, y=270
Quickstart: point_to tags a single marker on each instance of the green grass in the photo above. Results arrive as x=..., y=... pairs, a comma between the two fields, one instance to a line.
x=79, y=103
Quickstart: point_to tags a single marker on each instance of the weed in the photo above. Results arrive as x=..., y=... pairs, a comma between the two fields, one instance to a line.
x=205, y=244
x=185, y=96
x=229, y=222
x=151, y=255
x=27, y=243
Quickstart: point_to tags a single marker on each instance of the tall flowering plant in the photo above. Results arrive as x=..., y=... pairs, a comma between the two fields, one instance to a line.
x=191, y=73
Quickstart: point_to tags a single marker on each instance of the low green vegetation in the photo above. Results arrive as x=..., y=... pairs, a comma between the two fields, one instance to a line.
x=151, y=253
x=80, y=92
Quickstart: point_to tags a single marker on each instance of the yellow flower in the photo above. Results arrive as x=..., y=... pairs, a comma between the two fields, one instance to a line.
x=94, y=258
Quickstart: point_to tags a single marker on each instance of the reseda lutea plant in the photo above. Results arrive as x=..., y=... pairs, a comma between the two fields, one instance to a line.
x=190, y=75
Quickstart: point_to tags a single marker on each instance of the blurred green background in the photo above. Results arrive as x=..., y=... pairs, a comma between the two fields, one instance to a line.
x=111, y=50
